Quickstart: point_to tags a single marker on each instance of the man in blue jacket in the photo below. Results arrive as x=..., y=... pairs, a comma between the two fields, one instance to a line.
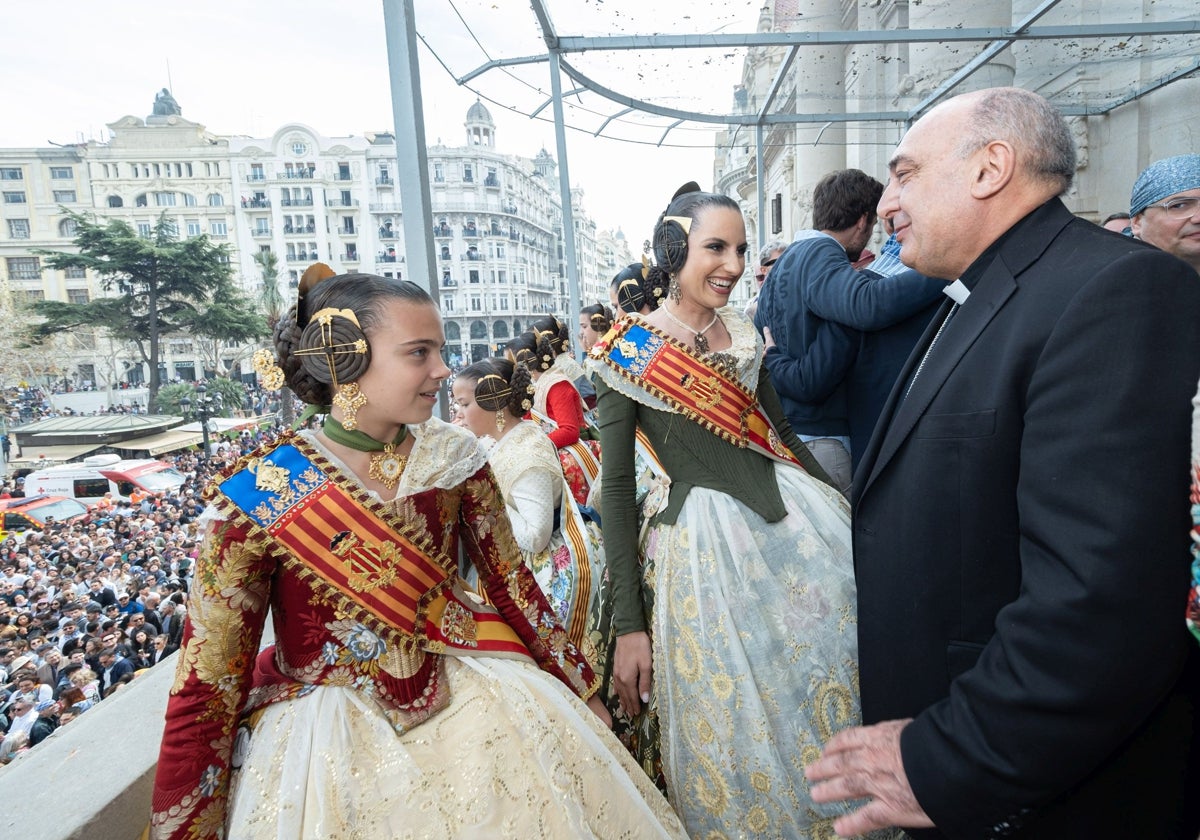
x=813, y=313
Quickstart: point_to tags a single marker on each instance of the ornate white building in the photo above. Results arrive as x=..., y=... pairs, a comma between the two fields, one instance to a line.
x=303, y=196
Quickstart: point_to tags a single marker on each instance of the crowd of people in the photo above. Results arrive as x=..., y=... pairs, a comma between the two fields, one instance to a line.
x=906, y=550
x=86, y=605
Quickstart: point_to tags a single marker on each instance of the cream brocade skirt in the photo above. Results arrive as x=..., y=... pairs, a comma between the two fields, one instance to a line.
x=755, y=657
x=514, y=755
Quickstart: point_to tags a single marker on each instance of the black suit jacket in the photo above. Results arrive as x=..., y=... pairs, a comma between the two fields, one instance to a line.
x=1021, y=542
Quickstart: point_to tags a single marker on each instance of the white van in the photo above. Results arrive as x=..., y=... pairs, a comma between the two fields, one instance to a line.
x=90, y=479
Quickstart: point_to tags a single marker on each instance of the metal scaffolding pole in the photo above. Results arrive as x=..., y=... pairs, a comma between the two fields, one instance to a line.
x=564, y=188
x=761, y=177
x=412, y=168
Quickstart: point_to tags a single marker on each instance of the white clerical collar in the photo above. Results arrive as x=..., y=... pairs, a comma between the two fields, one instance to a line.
x=957, y=292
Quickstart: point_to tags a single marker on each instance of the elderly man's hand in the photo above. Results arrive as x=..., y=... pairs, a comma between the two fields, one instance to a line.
x=864, y=763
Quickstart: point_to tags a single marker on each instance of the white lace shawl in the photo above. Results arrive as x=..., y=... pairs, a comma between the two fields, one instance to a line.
x=530, y=477
x=442, y=456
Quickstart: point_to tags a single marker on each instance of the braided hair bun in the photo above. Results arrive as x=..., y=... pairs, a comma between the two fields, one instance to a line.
x=551, y=339
x=500, y=385
x=333, y=347
x=640, y=285
x=322, y=339
x=599, y=317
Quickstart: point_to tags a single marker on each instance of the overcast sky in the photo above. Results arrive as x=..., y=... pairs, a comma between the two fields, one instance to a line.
x=241, y=67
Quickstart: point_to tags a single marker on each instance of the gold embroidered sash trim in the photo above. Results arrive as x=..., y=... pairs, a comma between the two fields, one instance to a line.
x=657, y=363
x=339, y=539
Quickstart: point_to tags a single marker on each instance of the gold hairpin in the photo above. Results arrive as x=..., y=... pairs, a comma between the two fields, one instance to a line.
x=327, y=314
x=328, y=348
x=502, y=393
x=683, y=221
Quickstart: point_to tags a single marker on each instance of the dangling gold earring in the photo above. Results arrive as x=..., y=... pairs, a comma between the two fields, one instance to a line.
x=500, y=421
x=674, y=290
x=349, y=398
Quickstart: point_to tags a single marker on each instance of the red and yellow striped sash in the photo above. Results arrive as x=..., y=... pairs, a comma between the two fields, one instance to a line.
x=696, y=389
x=395, y=577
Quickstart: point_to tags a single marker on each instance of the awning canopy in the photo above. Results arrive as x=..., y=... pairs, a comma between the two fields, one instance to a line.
x=33, y=455
x=220, y=425
x=180, y=438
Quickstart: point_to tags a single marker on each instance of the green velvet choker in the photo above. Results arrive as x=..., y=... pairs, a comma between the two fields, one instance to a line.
x=386, y=465
x=359, y=440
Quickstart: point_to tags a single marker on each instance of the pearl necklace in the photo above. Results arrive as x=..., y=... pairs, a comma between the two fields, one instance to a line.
x=699, y=342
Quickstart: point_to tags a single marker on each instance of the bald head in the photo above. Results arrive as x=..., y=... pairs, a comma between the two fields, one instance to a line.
x=968, y=171
x=1034, y=127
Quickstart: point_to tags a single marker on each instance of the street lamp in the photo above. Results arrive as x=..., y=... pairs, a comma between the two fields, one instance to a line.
x=206, y=408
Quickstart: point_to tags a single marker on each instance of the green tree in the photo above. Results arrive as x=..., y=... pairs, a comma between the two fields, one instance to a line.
x=170, y=397
x=273, y=307
x=232, y=392
x=157, y=286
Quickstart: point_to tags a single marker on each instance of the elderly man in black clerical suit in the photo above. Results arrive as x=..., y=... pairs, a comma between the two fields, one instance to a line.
x=1021, y=513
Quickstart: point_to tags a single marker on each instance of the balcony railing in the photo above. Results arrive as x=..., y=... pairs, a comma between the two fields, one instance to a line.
x=443, y=231
x=258, y=233
x=295, y=202
x=342, y=202
x=470, y=231
x=473, y=256
x=257, y=176
x=350, y=256
x=297, y=174
x=387, y=234
x=343, y=176
x=384, y=181
x=292, y=229
x=345, y=232
x=389, y=258
x=256, y=203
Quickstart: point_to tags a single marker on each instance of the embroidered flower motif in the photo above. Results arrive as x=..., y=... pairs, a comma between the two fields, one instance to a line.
x=210, y=780
x=341, y=677
x=238, y=663
x=364, y=645
x=559, y=643
x=329, y=652
x=562, y=558
x=210, y=822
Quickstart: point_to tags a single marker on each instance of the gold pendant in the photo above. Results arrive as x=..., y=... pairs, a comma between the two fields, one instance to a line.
x=386, y=466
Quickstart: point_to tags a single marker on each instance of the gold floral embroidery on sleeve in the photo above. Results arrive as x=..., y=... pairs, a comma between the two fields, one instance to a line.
x=225, y=618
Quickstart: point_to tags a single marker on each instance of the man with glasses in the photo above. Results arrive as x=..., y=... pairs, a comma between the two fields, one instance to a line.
x=1165, y=207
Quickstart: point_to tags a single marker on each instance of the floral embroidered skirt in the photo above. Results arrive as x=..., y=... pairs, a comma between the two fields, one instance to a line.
x=514, y=755
x=755, y=657
x=571, y=574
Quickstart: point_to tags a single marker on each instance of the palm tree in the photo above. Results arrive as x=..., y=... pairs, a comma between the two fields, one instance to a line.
x=273, y=307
